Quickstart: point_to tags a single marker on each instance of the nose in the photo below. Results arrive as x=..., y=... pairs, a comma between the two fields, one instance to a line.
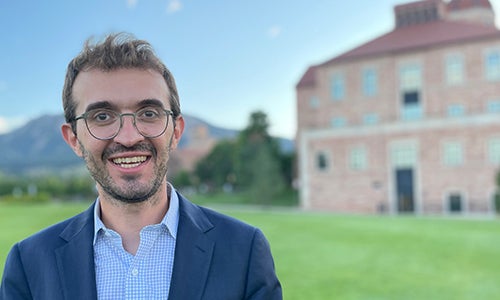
x=128, y=134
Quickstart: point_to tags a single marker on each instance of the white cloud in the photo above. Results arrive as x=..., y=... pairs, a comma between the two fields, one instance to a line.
x=8, y=124
x=3, y=126
x=132, y=3
x=173, y=6
x=274, y=31
x=496, y=8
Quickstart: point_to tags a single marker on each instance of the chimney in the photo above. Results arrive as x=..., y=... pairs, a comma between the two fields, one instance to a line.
x=419, y=12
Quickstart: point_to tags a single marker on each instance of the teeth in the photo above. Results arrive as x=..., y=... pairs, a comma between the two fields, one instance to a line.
x=129, y=162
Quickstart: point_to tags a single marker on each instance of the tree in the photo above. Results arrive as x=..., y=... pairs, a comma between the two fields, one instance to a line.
x=267, y=181
x=258, y=164
x=252, y=164
x=497, y=194
x=217, y=168
x=288, y=167
x=182, y=179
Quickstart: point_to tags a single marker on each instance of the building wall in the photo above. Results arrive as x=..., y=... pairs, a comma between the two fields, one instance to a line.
x=373, y=189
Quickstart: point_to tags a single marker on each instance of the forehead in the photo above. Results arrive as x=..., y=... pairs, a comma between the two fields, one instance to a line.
x=123, y=88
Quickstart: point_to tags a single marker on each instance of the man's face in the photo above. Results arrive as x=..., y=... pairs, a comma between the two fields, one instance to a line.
x=129, y=167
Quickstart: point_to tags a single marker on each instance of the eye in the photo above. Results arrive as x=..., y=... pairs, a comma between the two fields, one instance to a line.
x=149, y=113
x=102, y=117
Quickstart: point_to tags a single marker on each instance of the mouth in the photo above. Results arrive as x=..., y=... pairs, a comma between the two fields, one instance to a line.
x=129, y=162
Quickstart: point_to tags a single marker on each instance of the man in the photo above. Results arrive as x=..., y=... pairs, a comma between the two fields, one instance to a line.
x=141, y=239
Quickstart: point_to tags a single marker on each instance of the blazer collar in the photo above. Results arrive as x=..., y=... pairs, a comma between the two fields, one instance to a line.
x=193, y=253
x=75, y=259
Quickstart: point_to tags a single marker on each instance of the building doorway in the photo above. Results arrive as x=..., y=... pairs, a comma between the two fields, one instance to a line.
x=455, y=203
x=405, y=190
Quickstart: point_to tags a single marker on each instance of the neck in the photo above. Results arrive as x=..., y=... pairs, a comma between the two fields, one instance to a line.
x=128, y=219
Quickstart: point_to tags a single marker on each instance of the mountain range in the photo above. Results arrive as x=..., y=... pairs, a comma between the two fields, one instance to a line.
x=39, y=147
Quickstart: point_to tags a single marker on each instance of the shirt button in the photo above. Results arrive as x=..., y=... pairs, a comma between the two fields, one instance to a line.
x=135, y=272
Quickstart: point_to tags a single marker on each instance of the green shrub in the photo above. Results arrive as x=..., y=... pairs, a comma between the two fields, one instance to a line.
x=38, y=198
x=497, y=202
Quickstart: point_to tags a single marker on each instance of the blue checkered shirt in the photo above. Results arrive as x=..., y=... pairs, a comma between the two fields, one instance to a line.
x=147, y=275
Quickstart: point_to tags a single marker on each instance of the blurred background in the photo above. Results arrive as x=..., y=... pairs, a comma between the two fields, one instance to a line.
x=362, y=136
x=239, y=56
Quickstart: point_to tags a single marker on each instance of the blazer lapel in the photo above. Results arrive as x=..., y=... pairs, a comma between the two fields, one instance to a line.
x=75, y=259
x=193, y=253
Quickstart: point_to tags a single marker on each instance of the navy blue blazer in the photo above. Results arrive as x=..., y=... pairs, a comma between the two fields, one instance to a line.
x=216, y=257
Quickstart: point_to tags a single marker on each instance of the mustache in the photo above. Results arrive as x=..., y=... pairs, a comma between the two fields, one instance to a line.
x=118, y=148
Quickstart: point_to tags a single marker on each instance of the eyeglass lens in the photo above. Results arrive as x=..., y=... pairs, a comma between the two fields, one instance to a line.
x=106, y=124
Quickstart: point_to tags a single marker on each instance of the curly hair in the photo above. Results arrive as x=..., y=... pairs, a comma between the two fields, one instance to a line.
x=117, y=51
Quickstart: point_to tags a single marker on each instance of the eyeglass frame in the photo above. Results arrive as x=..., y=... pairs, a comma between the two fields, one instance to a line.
x=134, y=115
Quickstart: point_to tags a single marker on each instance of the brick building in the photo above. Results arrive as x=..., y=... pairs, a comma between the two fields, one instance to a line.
x=408, y=122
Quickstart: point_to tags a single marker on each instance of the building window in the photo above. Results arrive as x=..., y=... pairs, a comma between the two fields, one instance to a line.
x=455, y=204
x=494, y=151
x=453, y=154
x=338, y=87
x=412, y=110
x=370, y=119
x=358, y=159
x=456, y=110
x=322, y=161
x=314, y=102
x=454, y=70
x=492, y=65
x=411, y=77
x=338, y=122
x=404, y=154
x=411, y=81
x=411, y=97
x=370, y=82
x=493, y=107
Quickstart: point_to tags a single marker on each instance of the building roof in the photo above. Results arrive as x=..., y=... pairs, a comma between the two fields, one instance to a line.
x=420, y=25
x=463, y=4
x=420, y=36
x=418, y=3
x=412, y=38
x=309, y=78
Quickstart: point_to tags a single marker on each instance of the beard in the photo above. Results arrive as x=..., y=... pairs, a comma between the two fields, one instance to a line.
x=132, y=190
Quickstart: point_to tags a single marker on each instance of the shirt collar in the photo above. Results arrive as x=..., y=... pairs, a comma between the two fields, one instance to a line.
x=170, y=220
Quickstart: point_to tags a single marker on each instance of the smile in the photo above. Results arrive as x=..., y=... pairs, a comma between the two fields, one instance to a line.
x=129, y=162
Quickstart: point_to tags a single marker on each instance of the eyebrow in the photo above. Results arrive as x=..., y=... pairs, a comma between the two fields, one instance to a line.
x=109, y=105
x=98, y=105
x=150, y=102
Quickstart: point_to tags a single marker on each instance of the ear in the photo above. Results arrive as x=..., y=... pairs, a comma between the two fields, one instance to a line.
x=71, y=139
x=178, y=130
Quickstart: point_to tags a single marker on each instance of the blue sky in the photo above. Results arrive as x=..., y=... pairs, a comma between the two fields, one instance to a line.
x=229, y=58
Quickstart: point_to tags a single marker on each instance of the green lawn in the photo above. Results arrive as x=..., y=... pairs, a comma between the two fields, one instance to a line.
x=327, y=256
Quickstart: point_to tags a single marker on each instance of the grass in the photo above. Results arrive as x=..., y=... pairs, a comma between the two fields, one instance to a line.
x=327, y=256
x=285, y=199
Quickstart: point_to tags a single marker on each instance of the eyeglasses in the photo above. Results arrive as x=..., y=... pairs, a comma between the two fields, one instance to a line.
x=105, y=124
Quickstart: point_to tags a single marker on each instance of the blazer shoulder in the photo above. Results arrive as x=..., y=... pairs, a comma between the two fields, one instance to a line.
x=237, y=255
x=220, y=219
x=207, y=219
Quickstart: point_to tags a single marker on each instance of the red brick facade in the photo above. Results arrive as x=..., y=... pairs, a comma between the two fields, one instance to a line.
x=396, y=126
